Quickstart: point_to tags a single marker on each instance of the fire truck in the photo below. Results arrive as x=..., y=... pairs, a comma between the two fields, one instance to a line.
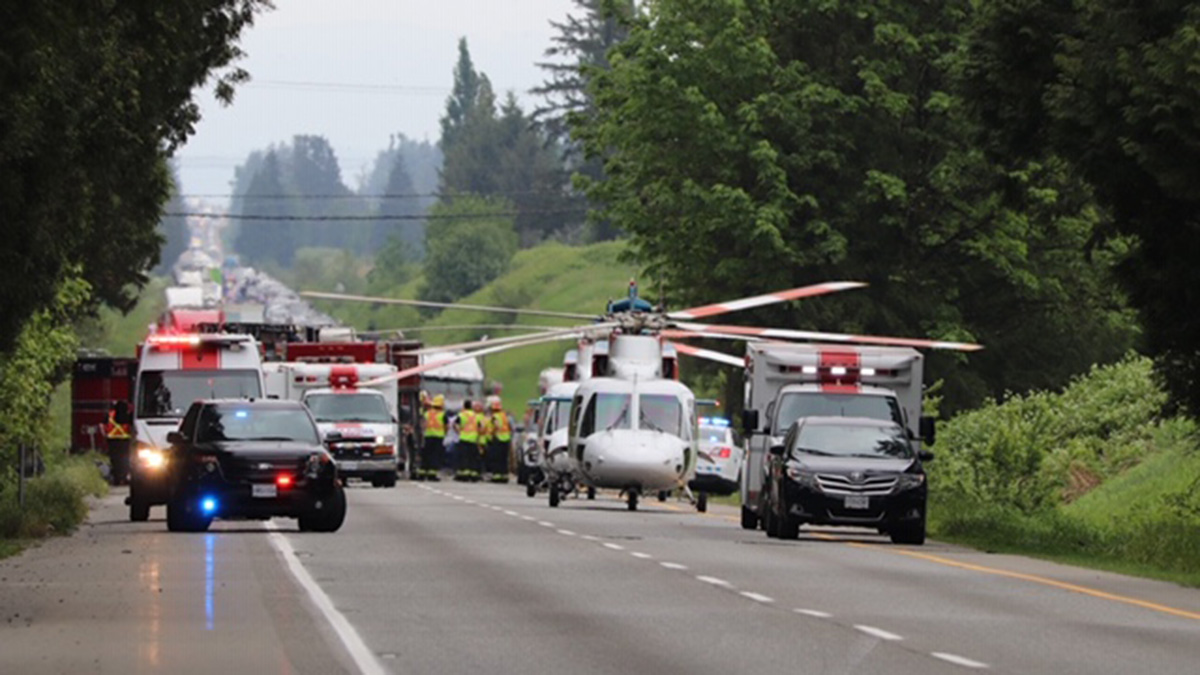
x=785, y=382
x=101, y=409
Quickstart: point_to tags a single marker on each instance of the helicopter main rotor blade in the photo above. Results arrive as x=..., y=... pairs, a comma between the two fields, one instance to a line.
x=673, y=334
x=455, y=358
x=815, y=336
x=710, y=355
x=572, y=331
x=445, y=305
x=768, y=299
x=475, y=326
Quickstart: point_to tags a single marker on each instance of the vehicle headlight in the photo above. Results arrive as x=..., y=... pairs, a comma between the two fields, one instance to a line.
x=316, y=463
x=802, y=477
x=909, y=481
x=385, y=440
x=150, y=456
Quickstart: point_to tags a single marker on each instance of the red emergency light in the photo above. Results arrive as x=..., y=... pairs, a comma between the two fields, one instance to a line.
x=174, y=341
x=284, y=481
x=343, y=377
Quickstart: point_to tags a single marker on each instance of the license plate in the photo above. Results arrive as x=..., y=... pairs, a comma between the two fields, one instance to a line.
x=265, y=490
x=858, y=502
x=348, y=466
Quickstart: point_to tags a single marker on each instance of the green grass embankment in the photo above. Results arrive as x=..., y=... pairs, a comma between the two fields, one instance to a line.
x=55, y=502
x=1092, y=476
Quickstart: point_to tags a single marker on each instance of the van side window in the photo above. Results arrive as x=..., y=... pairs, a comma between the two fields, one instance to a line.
x=188, y=426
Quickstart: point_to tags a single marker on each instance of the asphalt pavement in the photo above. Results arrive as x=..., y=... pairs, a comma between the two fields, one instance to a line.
x=450, y=577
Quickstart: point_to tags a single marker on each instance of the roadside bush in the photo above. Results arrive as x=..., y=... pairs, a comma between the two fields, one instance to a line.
x=54, y=502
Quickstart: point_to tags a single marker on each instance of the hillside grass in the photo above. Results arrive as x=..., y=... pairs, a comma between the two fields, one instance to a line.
x=1094, y=475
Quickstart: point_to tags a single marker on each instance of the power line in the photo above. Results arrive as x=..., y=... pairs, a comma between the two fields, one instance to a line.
x=396, y=195
x=372, y=218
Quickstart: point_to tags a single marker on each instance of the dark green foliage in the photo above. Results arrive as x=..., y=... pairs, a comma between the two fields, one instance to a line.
x=54, y=503
x=751, y=146
x=409, y=234
x=502, y=153
x=93, y=97
x=261, y=240
x=467, y=247
x=1112, y=87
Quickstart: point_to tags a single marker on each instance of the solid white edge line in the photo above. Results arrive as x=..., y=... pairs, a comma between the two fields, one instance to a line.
x=959, y=660
x=758, y=597
x=877, y=632
x=714, y=581
x=362, y=655
x=814, y=613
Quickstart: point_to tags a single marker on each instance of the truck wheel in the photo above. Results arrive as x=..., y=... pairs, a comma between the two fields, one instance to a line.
x=387, y=480
x=789, y=525
x=530, y=489
x=328, y=515
x=749, y=519
x=702, y=502
x=633, y=500
x=554, y=496
x=139, y=511
x=662, y=495
x=591, y=494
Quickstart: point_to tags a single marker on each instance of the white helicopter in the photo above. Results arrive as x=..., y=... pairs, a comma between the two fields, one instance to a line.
x=632, y=425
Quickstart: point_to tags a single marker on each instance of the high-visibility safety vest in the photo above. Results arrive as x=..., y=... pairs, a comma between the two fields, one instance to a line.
x=114, y=430
x=502, y=426
x=485, y=428
x=468, y=427
x=435, y=424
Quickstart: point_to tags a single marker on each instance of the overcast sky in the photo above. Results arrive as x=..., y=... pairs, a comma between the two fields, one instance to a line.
x=403, y=51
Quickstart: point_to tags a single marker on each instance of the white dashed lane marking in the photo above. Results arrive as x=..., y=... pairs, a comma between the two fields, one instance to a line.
x=615, y=547
x=758, y=597
x=545, y=523
x=673, y=566
x=813, y=613
x=567, y=533
x=640, y=555
x=714, y=581
x=878, y=632
x=959, y=660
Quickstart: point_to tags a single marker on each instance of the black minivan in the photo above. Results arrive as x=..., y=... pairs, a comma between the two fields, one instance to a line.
x=847, y=471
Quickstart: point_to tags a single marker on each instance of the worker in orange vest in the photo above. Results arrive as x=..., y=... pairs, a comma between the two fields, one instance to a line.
x=500, y=443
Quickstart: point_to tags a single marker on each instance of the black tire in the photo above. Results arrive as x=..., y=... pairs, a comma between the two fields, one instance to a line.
x=591, y=494
x=789, y=525
x=327, y=515
x=632, y=501
x=663, y=494
x=530, y=489
x=749, y=519
x=139, y=511
x=912, y=534
x=386, y=481
x=554, y=496
x=182, y=517
x=702, y=502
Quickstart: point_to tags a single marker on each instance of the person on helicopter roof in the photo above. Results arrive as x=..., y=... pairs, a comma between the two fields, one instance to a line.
x=435, y=435
x=500, y=442
x=467, y=449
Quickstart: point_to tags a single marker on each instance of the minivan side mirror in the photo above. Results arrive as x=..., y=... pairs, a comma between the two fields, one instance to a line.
x=778, y=450
x=928, y=430
x=749, y=422
x=924, y=455
x=175, y=438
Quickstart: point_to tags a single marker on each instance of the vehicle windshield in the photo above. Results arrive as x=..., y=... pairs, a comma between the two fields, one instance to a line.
x=830, y=440
x=715, y=435
x=169, y=393
x=612, y=411
x=231, y=422
x=795, y=405
x=348, y=408
x=660, y=412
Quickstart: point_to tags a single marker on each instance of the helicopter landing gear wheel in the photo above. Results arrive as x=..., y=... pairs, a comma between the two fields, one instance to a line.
x=530, y=489
x=591, y=494
x=702, y=502
x=554, y=496
x=633, y=500
x=662, y=495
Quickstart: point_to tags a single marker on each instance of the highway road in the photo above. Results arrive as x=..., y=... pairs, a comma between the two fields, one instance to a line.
x=450, y=578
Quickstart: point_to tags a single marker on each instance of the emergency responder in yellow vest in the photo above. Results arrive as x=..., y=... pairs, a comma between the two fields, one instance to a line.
x=485, y=434
x=435, y=435
x=499, y=444
x=467, y=450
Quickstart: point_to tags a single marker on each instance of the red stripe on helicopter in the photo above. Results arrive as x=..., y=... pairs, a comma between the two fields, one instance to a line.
x=767, y=299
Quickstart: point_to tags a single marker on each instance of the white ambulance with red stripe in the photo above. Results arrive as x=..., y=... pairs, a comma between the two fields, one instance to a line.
x=355, y=407
x=787, y=381
x=174, y=370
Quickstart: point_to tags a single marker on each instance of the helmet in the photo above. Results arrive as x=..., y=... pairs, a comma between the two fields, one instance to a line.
x=439, y=401
x=424, y=396
x=496, y=404
x=478, y=405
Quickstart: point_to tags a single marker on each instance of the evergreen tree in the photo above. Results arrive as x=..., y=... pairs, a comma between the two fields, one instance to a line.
x=468, y=87
x=266, y=240
x=399, y=201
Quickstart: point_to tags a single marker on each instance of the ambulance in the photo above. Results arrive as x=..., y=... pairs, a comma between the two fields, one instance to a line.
x=173, y=371
x=786, y=382
x=356, y=416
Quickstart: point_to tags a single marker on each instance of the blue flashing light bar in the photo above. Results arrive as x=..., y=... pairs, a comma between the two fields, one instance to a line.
x=208, y=505
x=714, y=422
x=241, y=414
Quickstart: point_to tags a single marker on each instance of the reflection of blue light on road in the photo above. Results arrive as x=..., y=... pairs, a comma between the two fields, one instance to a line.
x=209, y=541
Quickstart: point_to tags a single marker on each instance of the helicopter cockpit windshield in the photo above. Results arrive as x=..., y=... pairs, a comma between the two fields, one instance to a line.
x=660, y=412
